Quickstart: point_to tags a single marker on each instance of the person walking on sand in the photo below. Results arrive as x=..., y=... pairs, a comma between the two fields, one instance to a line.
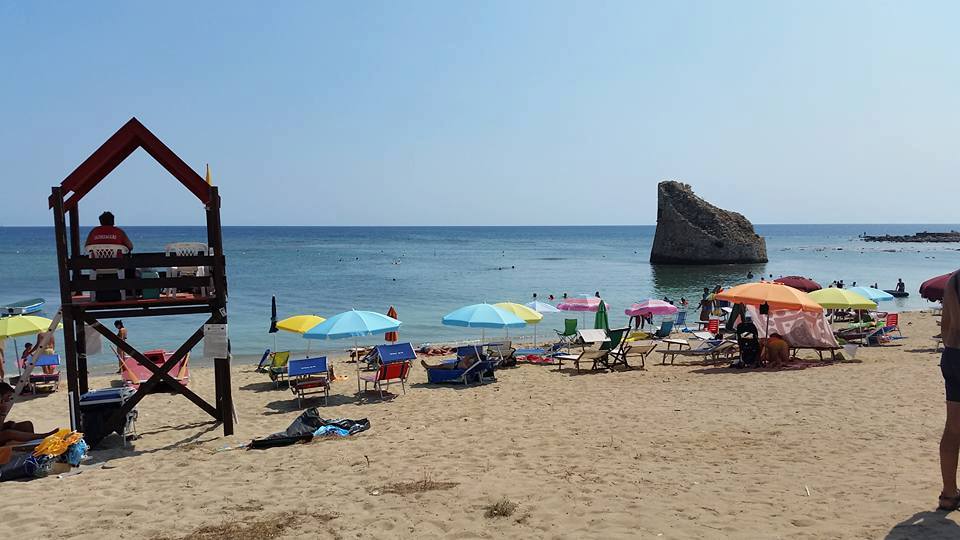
x=950, y=369
x=122, y=334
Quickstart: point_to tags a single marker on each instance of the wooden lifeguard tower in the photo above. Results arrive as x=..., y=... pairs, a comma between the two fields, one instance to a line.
x=80, y=308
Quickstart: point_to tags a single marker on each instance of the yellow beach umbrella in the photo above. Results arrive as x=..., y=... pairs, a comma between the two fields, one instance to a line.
x=835, y=298
x=23, y=325
x=299, y=324
x=527, y=315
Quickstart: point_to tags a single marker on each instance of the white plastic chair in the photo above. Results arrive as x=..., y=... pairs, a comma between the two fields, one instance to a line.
x=183, y=249
x=107, y=251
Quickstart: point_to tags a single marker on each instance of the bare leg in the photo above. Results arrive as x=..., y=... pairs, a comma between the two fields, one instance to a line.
x=949, y=449
x=14, y=435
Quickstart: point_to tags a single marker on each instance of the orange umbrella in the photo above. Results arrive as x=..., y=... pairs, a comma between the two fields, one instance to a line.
x=776, y=295
x=393, y=336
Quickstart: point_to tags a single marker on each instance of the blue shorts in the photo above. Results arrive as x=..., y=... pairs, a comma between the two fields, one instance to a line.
x=950, y=368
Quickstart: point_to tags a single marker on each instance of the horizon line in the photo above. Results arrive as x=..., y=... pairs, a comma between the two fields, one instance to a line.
x=487, y=226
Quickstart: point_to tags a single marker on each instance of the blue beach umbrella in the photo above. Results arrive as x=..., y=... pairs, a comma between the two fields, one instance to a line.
x=872, y=294
x=483, y=316
x=353, y=324
x=542, y=307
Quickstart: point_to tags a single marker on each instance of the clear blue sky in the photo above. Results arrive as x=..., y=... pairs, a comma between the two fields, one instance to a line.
x=502, y=112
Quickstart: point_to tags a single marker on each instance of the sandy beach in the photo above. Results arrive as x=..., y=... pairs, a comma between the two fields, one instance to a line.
x=844, y=450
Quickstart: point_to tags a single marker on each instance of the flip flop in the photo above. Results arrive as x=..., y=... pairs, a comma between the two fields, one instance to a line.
x=949, y=504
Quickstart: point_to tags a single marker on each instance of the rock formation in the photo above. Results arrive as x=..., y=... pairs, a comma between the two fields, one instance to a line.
x=692, y=231
x=937, y=237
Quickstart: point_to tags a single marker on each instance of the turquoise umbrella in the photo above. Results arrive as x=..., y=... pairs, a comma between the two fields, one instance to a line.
x=483, y=316
x=872, y=294
x=353, y=324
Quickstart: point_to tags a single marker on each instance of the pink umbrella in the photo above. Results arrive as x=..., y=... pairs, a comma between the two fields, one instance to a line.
x=651, y=307
x=579, y=304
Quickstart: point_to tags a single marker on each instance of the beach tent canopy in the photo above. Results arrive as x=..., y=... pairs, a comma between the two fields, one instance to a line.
x=932, y=289
x=806, y=285
x=798, y=328
x=776, y=295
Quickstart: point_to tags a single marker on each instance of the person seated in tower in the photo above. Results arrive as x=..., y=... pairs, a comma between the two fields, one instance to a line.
x=108, y=234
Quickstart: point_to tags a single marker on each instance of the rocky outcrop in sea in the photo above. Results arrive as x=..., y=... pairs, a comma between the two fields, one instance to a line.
x=692, y=231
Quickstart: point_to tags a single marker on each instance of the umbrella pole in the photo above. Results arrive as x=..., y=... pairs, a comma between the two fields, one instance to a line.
x=356, y=346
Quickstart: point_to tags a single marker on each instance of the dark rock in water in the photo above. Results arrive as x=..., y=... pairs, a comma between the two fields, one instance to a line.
x=952, y=236
x=692, y=231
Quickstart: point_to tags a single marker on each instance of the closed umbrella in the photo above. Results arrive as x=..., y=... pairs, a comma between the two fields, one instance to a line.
x=273, y=320
x=353, y=324
x=601, y=321
x=932, y=289
x=392, y=336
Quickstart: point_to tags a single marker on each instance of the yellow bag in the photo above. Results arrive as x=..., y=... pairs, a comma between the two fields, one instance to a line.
x=56, y=444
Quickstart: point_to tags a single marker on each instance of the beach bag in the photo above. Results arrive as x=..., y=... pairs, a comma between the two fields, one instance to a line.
x=25, y=466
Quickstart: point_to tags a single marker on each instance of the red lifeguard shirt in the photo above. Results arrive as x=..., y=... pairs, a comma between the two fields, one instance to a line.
x=110, y=235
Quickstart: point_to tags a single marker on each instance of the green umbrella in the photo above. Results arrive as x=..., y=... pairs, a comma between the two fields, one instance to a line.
x=601, y=322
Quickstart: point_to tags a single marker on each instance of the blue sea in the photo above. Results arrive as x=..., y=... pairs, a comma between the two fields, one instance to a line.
x=426, y=272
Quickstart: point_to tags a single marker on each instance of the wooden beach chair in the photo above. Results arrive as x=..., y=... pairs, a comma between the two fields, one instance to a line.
x=707, y=350
x=598, y=359
x=628, y=351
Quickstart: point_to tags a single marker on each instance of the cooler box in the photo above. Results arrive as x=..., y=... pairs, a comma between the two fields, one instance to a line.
x=150, y=293
x=96, y=408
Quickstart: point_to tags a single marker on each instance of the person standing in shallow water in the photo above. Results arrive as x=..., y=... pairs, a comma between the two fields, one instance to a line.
x=950, y=369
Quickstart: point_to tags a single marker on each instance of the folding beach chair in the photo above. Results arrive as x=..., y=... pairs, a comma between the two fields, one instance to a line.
x=262, y=366
x=503, y=351
x=666, y=328
x=628, y=351
x=893, y=323
x=598, y=359
x=309, y=376
x=616, y=341
x=569, y=332
x=680, y=323
x=278, y=366
x=387, y=373
x=45, y=381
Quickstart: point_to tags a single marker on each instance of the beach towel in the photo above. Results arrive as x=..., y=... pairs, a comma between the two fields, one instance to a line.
x=309, y=425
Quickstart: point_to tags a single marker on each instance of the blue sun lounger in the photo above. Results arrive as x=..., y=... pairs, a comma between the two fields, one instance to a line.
x=309, y=376
x=474, y=373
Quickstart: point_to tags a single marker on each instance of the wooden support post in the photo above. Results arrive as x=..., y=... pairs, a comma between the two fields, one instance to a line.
x=224, y=395
x=83, y=373
x=70, y=342
x=221, y=368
